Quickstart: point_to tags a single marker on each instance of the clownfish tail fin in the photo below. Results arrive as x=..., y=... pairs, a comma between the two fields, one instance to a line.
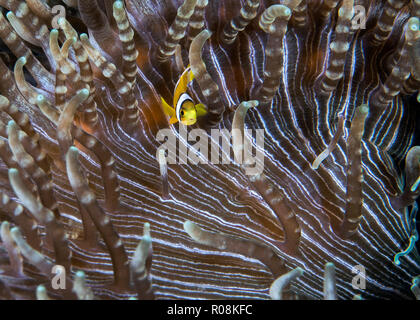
x=167, y=108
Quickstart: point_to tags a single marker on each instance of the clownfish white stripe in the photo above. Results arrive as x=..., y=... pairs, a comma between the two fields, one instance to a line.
x=183, y=98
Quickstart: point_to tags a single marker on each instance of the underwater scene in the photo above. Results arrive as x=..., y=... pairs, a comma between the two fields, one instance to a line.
x=209, y=149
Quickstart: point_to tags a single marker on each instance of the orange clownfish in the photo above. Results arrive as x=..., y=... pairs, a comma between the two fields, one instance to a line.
x=184, y=109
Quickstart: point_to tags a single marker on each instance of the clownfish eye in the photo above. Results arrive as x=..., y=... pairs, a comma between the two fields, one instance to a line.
x=182, y=112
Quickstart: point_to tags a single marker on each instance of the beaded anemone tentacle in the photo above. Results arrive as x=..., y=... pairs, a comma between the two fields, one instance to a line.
x=84, y=184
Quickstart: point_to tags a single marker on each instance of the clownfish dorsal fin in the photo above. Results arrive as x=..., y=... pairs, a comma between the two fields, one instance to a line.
x=191, y=76
x=181, y=85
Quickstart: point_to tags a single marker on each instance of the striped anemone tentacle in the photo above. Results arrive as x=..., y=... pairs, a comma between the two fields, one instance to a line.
x=126, y=35
x=299, y=17
x=210, y=89
x=354, y=197
x=98, y=23
x=40, y=9
x=177, y=30
x=197, y=20
x=338, y=47
x=273, y=21
x=327, y=7
x=401, y=68
x=412, y=173
x=386, y=20
x=89, y=109
x=247, y=14
x=303, y=171
x=20, y=49
x=269, y=193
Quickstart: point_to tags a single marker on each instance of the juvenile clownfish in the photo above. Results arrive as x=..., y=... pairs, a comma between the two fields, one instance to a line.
x=184, y=109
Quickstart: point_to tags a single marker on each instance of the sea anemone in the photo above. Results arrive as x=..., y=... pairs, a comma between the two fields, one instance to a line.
x=89, y=195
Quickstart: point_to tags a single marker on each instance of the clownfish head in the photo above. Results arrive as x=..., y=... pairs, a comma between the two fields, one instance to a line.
x=185, y=110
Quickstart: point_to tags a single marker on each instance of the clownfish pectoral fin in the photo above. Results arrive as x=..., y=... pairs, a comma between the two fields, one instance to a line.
x=167, y=108
x=201, y=109
x=173, y=120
